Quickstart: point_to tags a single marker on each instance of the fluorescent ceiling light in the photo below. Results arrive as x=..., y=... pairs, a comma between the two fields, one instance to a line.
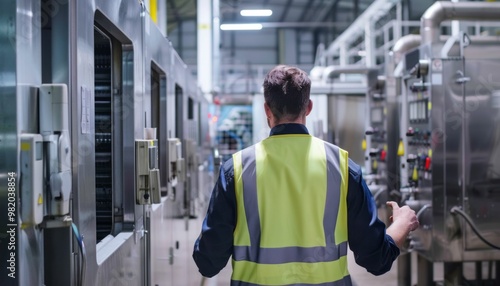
x=256, y=12
x=226, y=27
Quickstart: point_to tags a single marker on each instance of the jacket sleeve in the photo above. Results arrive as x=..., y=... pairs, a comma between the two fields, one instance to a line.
x=373, y=248
x=214, y=246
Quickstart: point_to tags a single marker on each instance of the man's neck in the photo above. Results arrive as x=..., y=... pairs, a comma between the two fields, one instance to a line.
x=299, y=120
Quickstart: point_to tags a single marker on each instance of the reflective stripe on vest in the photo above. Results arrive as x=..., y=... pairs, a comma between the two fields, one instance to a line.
x=289, y=247
x=346, y=281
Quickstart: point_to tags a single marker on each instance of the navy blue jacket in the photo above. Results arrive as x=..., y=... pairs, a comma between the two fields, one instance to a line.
x=373, y=248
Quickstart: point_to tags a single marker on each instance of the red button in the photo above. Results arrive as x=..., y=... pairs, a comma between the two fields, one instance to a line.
x=427, y=163
x=383, y=153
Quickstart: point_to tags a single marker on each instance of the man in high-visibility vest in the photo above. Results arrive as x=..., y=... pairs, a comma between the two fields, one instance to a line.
x=286, y=208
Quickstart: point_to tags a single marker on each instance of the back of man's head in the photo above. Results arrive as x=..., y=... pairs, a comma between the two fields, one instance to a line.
x=286, y=92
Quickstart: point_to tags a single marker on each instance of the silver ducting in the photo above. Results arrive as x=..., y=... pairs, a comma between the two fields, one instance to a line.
x=331, y=71
x=443, y=10
x=405, y=44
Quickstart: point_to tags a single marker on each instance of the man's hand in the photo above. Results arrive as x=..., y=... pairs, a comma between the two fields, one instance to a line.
x=405, y=214
x=403, y=221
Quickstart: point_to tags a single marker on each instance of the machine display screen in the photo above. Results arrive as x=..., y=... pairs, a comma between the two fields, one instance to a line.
x=411, y=59
x=418, y=111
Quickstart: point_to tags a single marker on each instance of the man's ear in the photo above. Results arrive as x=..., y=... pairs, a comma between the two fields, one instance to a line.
x=268, y=111
x=309, y=107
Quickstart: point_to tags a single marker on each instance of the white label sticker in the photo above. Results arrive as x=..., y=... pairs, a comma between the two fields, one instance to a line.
x=437, y=79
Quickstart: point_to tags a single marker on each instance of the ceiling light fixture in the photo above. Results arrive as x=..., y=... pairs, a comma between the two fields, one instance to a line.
x=240, y=27
x=256, y=12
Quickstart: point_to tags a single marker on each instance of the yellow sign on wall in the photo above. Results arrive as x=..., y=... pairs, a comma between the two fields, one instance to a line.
x=153, y=10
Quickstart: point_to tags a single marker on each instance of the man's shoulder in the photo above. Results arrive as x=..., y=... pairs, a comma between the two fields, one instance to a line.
x=228, y=164
x=354, y=169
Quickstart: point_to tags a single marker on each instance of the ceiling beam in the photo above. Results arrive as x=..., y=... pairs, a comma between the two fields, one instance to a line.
x=303, y=16
x=285, y=10
x=321, y=10
x=327, y=10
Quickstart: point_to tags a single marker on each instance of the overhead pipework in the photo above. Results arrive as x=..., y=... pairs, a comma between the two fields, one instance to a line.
x=443, y=11
x=405, y=44
x=372, y=14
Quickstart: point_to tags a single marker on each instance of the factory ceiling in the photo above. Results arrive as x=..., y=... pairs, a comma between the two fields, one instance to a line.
x=308, y=14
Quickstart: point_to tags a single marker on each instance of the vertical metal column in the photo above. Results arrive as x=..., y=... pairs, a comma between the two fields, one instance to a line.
x=205, y=26
x=343, y=57
x=370, y=62
x=58, y=248
x=425, y=271
x=370, y=59
x=402, y=131
x=162, y=17
x=479, y=273
x=404, y=269
x=399, y=19
x=215, y=47
x=455, y=25
x=453, y=273
x=497, y=271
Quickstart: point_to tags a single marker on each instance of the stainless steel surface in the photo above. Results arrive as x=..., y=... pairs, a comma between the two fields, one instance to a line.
x=141, y=78
x=376, y=136
x=449, y=107
x=331, y=71
x=20, y=70
x=481, y=147
x=347, y=88
x=425, y=271
x=115, y=18
x=159, y=59
x=403, y=45
x=345, y=130
x=443, y=10
x=393, y=67
x=179, y=101
x=404, y=269
x=454, y=120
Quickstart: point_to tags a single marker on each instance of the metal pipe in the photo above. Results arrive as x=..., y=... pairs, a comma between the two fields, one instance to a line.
x=373, y=13
x=337, y=70
x=405, y=44
x=442, y=11
x=404, y=269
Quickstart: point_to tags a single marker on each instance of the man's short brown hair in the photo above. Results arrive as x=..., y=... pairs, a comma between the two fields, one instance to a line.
x=286, y=92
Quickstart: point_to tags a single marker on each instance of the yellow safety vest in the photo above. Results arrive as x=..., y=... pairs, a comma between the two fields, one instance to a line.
x=291, y=227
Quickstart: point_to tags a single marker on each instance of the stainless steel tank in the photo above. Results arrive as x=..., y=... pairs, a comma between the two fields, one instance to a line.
x=450, y=121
